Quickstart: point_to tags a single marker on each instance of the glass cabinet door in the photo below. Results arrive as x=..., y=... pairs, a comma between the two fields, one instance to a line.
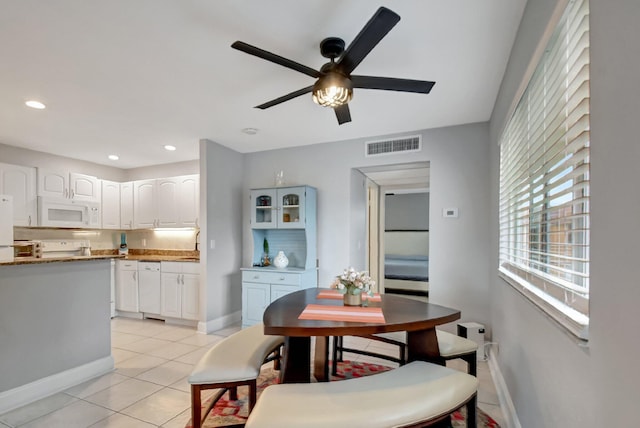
x=291, y=208
x=264, y=208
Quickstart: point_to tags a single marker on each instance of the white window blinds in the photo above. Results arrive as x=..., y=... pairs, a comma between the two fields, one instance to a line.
x=544, y=178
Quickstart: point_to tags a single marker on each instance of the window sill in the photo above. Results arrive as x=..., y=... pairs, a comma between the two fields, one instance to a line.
x=578, y=330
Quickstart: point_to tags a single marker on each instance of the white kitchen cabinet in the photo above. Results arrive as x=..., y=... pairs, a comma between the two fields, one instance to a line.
x=149, y=287
x=110, y=204
x=144, y=204
x=262, y=286
x=180, y=290
x=127, y=285
x=68, y=185
x=20, y=182
x=166, y=202
x=126, y=205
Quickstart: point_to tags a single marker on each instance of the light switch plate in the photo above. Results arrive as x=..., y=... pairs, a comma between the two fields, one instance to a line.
x=450, y=212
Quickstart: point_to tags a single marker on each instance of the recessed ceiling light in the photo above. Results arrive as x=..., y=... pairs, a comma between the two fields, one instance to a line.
x=35, y=104
x=169, y=147
x=114, y=157
x=250, y=131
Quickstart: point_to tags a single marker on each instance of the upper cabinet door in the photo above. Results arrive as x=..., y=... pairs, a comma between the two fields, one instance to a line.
x=126, y=205
x=264, y=205
x=110, y=205
x=62, y=184
x=53, y=183
x=188, y=200
x=291, y=208
x=167, y=196
x=20, y=182
x=144, y=204
x=84, y=187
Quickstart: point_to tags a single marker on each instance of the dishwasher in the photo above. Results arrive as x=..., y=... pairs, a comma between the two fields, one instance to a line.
x=149, y=287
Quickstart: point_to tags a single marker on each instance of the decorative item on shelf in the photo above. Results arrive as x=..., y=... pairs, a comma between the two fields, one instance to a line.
x=281, y=261
x=351, y=284
x=265, y=255
x=280, y=178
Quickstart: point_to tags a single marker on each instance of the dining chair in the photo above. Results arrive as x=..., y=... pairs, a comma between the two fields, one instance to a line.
x=451, y=347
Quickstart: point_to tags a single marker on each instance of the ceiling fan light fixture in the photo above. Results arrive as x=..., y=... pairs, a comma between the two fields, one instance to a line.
x=332, y=90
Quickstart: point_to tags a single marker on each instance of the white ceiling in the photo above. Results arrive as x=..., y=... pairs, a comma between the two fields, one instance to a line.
x=126, y=77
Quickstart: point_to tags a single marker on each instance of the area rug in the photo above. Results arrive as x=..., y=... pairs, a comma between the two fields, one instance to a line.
x=227, y=412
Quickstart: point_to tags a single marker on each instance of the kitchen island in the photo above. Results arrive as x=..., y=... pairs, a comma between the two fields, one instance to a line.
x=55, y=329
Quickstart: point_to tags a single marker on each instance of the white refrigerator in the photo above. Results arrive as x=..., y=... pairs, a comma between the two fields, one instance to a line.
x=6, y=228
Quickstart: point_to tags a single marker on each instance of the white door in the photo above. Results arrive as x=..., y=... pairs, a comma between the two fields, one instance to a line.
x=144, y=204
x=188, y=200
x=126, y=205
x=291, y=208
x=53, y=183
x=167, y=197
x=84, y=187
x=171, y=295
x=110, y=205
x=190, y=296
x=264, y=206
x=20, y=182
x=127, y=290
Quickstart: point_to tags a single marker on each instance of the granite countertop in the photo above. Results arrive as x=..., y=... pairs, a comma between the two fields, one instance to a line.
x=138, y=255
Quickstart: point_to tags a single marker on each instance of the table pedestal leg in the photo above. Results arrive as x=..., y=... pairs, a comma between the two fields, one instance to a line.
x=422, y=345
x=320, y=362
x=296, y=364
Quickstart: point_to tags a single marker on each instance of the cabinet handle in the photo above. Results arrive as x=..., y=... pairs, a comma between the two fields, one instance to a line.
x=29, y=223
x=256, y=277
x=135, y=276
x=282, y=278
x=66, y=192
x=73, y=194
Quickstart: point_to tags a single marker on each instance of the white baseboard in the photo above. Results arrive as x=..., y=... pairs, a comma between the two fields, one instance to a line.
x=219, y=323
x=508, y=409
x=41, y=388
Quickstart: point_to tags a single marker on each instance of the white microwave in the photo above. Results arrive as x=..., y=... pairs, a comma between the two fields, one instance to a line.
x=56, y=212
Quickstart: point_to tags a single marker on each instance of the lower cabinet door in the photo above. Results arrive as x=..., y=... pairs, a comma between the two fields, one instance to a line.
x=190, y=296
x=171, y=295
x=127, y=291
x=277, y=291
x=255, y=299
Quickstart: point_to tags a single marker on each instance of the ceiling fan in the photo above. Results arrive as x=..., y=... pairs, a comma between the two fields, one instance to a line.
x=335, y=83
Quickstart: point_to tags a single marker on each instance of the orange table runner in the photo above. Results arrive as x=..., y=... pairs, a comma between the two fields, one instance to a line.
x=342, y=313
x=332, y=293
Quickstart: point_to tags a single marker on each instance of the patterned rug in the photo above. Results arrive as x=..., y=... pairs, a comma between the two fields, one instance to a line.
x=227, y=412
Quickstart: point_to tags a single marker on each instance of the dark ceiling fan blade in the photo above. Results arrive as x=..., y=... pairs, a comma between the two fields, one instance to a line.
x=261, y=53
x=378, y=26
x=342, y=114
x=392, y=84
x=284, y=98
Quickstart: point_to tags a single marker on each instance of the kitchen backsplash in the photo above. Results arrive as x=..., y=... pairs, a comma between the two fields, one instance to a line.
x=110, y=239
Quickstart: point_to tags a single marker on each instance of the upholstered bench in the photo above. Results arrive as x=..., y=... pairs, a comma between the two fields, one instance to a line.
x=416, y=394
x=234, y=361
x=450, y=345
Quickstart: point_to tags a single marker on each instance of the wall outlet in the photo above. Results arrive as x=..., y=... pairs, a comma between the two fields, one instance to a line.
x=212, y=245
x=144, y=242
x=450, y=213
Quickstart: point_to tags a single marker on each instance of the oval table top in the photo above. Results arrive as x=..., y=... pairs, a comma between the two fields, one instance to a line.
x=400, y=313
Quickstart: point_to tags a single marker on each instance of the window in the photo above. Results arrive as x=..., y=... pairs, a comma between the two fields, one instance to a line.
x=544, y=179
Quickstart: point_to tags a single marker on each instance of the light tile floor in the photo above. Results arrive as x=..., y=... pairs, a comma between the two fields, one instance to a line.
x=149, y=386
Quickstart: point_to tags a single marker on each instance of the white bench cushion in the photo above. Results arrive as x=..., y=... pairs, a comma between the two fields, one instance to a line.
x=415, y=392
x=451, y=345
x=235, y=358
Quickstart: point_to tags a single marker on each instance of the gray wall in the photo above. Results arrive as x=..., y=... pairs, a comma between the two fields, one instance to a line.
x=53, y=317
x=459, y=178
x=221, y=207
x=552, y=380
x=408, y=211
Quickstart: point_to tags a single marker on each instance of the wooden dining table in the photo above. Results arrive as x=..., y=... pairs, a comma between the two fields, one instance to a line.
x=282, y=317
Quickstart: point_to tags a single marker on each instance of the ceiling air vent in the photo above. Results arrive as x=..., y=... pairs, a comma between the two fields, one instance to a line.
x=411, y=143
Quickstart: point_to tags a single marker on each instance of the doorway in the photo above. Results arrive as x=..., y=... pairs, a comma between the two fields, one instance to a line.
x=397, y=235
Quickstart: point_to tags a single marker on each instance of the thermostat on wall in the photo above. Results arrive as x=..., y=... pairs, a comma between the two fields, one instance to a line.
x=450, y=212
